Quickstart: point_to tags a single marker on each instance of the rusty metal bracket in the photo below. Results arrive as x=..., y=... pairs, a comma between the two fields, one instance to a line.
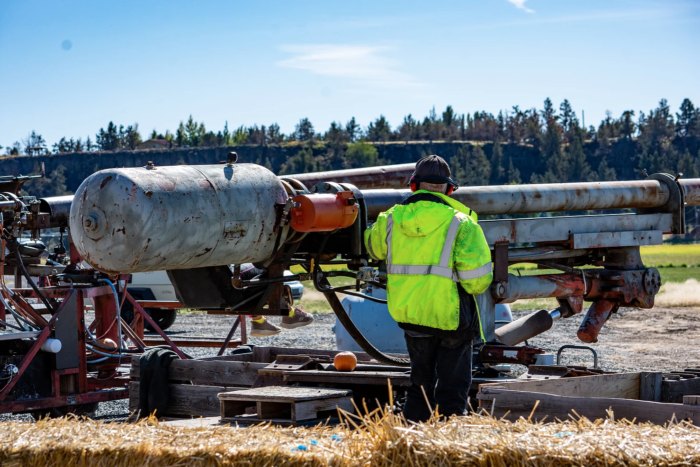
x=297, y=362
x=675, y=202
x=525, y=355
x=500, y=261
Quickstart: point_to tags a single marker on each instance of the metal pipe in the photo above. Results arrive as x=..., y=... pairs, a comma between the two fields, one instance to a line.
x=542, y=286
x=522, y=199
x=384, y=176
x=525, y=328
x=595, y=318
x=58, y=208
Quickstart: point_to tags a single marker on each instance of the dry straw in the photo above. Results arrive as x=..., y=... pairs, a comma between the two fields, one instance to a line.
x=378, y=438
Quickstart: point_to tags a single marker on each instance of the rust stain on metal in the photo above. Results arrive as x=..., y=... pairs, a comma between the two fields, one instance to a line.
x=206, y=250
x=105, y=181
x=167, y=185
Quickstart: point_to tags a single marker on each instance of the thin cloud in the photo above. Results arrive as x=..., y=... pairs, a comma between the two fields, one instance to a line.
x=356, y=62
x=520, y=5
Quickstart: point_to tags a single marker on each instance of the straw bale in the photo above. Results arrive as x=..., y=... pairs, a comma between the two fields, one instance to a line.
x=377, y=439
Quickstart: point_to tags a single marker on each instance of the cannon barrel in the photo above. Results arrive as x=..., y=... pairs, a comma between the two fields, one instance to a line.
x=536, y=198
x=154, y=218
x=384, y=176
x=179, y=217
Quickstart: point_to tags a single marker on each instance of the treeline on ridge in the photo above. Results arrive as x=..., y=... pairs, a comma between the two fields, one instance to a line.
x=520, y=146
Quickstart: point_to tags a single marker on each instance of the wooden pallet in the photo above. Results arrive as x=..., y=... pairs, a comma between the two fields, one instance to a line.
x=633, y=396
x=194, y=385
x=283, y=403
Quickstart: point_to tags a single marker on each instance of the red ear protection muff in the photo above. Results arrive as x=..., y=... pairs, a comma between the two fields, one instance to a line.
x=450, y=189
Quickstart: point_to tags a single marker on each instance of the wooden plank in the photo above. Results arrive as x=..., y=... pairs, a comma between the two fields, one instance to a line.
x=209, y=373
x=372, y=378
x=284, y=403
x=673, y=391
x=691, y=400
x=206, y=342
x=308, y=410
x=282, y=394
x=621, y=385
x=185, y=400
x=269, y=354
x=200, y=422
x=549, y=406
x=239, y=357
x=650, y=386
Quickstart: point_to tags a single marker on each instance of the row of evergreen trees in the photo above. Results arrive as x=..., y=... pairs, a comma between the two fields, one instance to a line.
x=556, y=145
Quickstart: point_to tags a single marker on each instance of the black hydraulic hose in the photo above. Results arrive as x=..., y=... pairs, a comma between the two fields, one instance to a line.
x=6, y=324
x=323, y=285
x=346, y=290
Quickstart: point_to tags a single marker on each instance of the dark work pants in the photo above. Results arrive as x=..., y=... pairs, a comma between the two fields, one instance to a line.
x=443, y=368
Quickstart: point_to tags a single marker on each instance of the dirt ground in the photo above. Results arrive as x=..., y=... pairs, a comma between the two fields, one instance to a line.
x=659, y=339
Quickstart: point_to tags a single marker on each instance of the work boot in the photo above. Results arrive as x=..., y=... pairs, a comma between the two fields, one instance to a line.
x=296, y=319
x=263, y=328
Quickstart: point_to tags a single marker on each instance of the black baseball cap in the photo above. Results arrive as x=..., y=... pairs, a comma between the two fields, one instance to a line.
x=432, y=169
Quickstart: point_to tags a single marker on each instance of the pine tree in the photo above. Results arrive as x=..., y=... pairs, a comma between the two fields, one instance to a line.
x=379, y=130
x=579, y=169
x=361, y=154
x=498, y=171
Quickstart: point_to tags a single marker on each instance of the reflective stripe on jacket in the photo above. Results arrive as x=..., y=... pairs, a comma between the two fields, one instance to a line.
x=430, y=248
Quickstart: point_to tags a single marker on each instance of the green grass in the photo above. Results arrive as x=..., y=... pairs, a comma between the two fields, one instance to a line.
x=669, y=255
x=679, y=274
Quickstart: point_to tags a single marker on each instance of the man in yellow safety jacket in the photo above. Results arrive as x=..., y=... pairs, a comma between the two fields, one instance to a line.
x=436, y=259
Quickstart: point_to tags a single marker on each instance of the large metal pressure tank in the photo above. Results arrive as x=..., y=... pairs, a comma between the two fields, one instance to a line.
x=177, y=217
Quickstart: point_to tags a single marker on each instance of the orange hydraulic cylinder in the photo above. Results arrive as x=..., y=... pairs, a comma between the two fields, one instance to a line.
x=323, y=212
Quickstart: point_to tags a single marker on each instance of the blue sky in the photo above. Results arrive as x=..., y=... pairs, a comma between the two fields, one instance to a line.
x=69, y=67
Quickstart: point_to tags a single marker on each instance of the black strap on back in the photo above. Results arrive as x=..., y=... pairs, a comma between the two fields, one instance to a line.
x=424, y=197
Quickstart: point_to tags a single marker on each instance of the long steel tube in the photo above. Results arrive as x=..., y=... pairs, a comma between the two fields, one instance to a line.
x=384, y=176
x=543, y=286
x=505, y=199
x=522, y=199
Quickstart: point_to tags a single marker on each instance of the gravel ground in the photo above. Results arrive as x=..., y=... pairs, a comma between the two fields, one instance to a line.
x=662, y=339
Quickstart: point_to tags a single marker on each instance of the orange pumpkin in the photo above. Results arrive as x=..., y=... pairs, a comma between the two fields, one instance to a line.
x=107, y=343
x=345, y=361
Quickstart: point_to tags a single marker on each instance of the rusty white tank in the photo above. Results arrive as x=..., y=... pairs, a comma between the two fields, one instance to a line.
x=155, y=218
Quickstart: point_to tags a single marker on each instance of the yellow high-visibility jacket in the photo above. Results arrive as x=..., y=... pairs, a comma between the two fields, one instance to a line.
x=430, y=248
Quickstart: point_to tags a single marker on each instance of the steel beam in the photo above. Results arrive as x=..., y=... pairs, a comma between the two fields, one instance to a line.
x=562, y=228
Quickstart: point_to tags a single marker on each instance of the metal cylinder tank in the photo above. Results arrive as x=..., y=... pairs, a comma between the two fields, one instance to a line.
x=177, y=217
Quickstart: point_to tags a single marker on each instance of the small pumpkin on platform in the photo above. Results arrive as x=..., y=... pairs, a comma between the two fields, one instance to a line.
x=345, y=361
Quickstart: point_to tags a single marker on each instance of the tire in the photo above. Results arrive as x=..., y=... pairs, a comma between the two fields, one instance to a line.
x=164, y=317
